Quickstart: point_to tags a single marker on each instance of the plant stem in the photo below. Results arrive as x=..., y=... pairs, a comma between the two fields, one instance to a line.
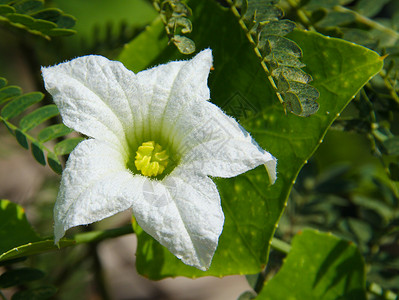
x=367, y=21
x=100, y=235
x=389, y=86
x=301, y=15
x=280, y=245
x=256, y=49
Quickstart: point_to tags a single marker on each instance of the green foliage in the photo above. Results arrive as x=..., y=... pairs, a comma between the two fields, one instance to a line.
x=13, y=220
x=280, y=56
x=319, y=266
x=377, y=105
x=38, y=293
x=244, y=243
x=23, y=276
x=31, y=15
x=174, y=15
x=15, y=105
x=356, y=203
x=19, y=276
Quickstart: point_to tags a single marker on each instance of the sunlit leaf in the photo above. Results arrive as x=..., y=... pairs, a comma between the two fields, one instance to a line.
x=252, y=208
x=319, y=266
x=184, y=44
x=8, y=92
x=53, y=132
x=19, y=104
x=13, y=220
x=38, y=116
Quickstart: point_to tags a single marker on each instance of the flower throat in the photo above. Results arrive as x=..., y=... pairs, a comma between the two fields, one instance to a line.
x=151, y=159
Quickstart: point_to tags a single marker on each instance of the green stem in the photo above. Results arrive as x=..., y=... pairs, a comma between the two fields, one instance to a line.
x=280, y=245
x=369, y=22
x=301, y=15
x=12, y=128
x=100, y=235
x=391, y=89
x=256, y=49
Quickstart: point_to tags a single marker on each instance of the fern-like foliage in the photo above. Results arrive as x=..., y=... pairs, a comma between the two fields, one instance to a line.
x=108, y=38
x=13, y=104
x=280, y=57
x=174, y=15
x=31, y=15
x=365, y=22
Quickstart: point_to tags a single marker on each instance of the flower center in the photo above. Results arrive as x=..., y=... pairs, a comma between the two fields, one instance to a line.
x=151, y=159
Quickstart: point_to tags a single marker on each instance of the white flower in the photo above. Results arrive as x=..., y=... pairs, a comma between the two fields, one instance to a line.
x=154, y=140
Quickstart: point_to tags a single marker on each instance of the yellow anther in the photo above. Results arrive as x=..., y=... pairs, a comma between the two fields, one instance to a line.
x=151, y=160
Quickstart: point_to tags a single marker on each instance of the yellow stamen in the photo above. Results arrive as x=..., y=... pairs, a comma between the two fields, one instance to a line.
x=151, y=160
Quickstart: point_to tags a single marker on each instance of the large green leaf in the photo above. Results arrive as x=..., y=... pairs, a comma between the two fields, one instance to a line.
x=15, y=229
x=252, y=207
x=17, y=237
x=319, y=267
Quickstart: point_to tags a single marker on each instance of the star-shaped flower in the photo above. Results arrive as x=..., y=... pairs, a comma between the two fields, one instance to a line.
x=154, y=140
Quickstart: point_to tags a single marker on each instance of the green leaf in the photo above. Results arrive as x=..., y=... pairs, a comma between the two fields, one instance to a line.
x=392, y=145
x=61, y=32
x=321, y=267
x=49, y=14
x=369, y=8
x=146, y=47
x=66, y=21
x=23, y=241
x=39, y=293
x=66, y=146
x=42, y=25
x=54, y=163
x=53, y=132
x=31, y=16
x=252, y=208
x=34, y=248
x=263, y=10
x=3, y=82
x=19, y=104
x=19, y=276
x=26, y=20
x=184, y=44
x=13, y=220
x=6, y=9
x=28, y=6
x=21, y=138
x=281, y=28
x=8, y=92
x=38, y=153
x=38, y=116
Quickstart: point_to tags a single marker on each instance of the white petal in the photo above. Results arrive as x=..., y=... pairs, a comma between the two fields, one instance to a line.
x=166, y=89
x=214, y=144
x=92, y=94
x=95, y=184
x=184, y=214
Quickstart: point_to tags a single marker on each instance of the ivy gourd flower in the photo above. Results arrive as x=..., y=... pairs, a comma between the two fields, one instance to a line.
x=154, y=140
